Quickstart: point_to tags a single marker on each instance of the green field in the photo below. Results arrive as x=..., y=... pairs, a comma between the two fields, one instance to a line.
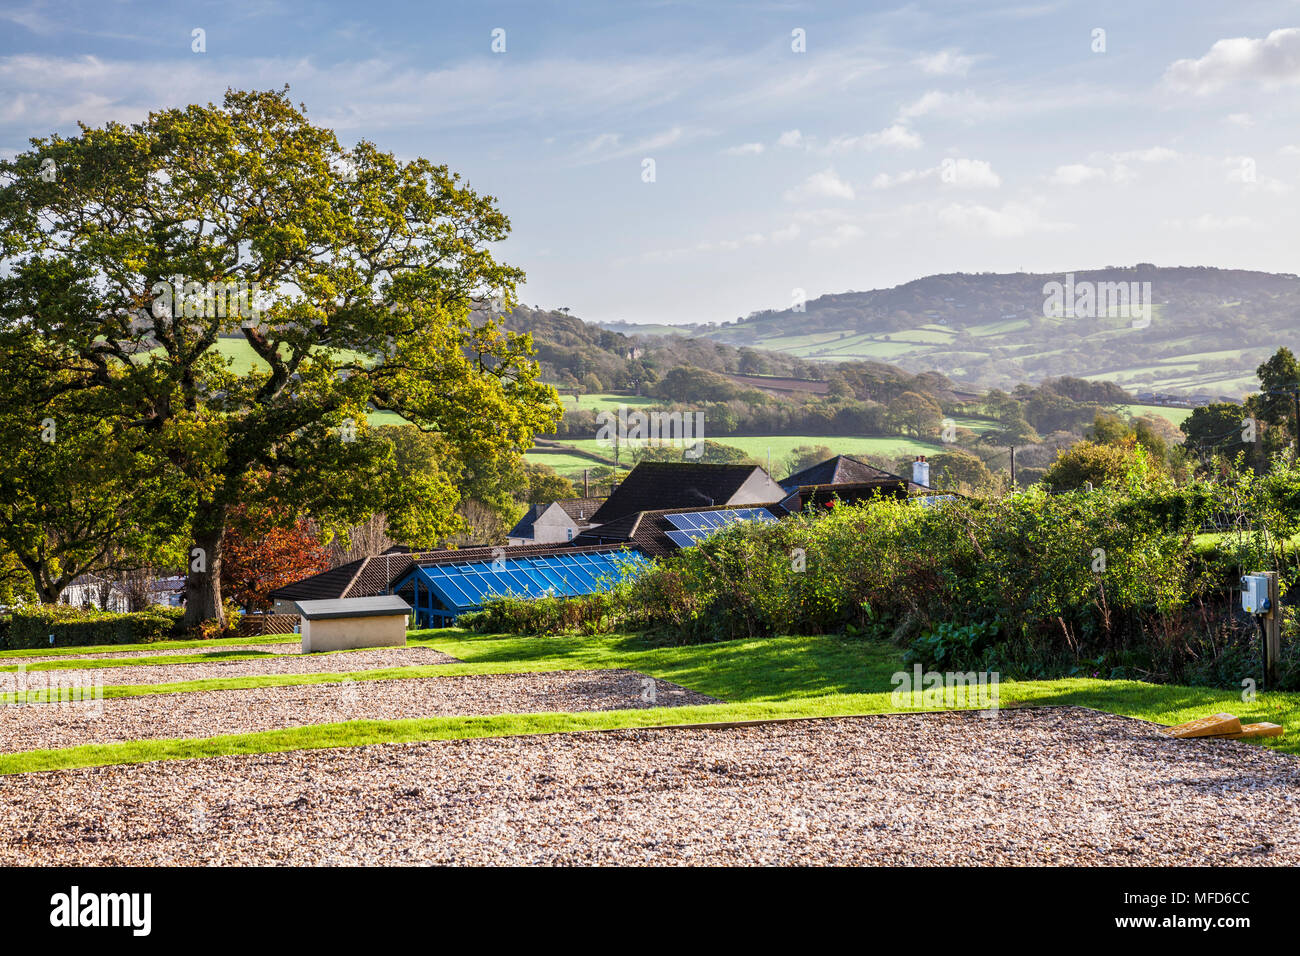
x=757, y=447
x=606, y=403
x=562, y=463
x=1175, y=416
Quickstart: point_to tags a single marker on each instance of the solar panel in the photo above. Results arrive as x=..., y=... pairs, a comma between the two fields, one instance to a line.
x=466, y=586
x=694, y=526
x=712, y=520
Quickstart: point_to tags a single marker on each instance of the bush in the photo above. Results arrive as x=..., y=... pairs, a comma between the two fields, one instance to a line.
x=31, y=627
x=1110, y=584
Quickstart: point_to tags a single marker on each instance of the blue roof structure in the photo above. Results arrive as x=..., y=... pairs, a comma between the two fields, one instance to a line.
x=442, y=592
x=694, y=526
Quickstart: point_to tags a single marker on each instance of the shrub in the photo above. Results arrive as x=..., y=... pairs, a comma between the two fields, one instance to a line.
x=1110, y=583
x=31, y=627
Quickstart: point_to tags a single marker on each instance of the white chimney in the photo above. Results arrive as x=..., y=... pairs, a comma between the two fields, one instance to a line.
x=921, y=471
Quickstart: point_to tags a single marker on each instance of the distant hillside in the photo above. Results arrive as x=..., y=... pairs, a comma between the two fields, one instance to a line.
x=579, y=354
x=1209, y=330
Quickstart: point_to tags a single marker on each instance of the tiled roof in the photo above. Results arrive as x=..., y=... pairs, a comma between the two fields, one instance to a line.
x=579, y=511
x=847, y=493
x=333, y=583
x=842, y=469
x=647, y=530
x=655, y=485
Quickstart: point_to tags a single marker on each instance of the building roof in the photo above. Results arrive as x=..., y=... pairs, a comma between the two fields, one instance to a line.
x=382, y=605
x=579, y=511
x=369, y=576
x=564, y=573
x=659, y=485
x=647, y=531
x=825, y=496
x=840, y=470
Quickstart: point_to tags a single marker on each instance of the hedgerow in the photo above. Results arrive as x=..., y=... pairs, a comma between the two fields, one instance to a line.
x=1111, y=582
x=32, y=627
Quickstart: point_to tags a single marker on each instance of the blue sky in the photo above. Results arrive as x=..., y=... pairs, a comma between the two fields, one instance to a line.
x=905, y=140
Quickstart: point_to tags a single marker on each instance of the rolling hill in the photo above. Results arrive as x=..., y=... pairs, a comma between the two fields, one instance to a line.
x=1209, y=329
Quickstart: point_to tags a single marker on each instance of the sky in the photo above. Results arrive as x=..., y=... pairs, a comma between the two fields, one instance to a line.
x=697, y=161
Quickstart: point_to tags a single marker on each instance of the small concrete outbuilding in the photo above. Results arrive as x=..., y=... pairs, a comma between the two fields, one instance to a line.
x=346, y=623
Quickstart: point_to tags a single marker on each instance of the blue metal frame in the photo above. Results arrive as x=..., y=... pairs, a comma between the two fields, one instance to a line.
x=442, y=592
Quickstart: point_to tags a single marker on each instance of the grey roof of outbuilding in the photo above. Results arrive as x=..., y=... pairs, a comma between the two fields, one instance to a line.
x=380, y=605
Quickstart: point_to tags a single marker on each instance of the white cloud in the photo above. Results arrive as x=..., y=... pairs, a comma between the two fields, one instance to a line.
x=945, y=63
x=1008, y=221
x=823, y=185
x=1118, y=170
x=744, y=149
x=961, y=173
x=1291, y=149
x=607, y=146
x=786, y=233
x=1208, y=222
x=1244, y=171
x=940, y=101
x=1075, y=174
x=1271, y=62
x=1155, y=154
x=838, y=236
x=896, y=136
x=1240, y=119
x=791, y=139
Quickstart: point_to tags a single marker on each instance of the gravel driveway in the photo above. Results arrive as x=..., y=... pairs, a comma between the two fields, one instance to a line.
x=209, y=713
x=339, y=663
x=1049, y=786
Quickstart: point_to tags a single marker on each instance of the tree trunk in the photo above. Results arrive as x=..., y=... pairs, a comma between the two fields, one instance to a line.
x=203, y=579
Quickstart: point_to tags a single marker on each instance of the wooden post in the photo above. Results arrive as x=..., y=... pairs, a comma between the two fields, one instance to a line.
x=1272, y=632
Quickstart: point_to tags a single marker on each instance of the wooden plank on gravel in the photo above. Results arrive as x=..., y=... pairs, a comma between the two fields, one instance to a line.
x=1251, y=731
x=1216, y=725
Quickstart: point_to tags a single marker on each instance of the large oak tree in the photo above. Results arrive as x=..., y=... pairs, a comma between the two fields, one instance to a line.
x=130, y=253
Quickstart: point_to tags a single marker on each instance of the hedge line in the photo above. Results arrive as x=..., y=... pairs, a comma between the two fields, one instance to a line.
x=74, y=627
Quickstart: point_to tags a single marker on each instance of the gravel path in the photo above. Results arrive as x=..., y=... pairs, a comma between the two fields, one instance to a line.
x=1050, y=786
x=198, y=648
x=339, y=663
x=209, y=713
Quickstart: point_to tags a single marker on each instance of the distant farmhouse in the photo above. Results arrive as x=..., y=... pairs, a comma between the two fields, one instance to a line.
x=582, y=545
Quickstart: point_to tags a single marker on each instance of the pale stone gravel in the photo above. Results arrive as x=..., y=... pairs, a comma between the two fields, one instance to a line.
x=336, y=663
x=200, y=647
x=212, y=713
x=1034, y=786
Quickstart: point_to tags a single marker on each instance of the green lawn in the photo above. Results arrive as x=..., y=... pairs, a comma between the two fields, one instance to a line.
x=775, y=678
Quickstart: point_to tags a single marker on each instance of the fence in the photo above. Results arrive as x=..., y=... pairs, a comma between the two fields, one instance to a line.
x=256, y=625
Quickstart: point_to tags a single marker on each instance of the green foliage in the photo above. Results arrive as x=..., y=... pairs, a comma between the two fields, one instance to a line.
x=31, y=627
x=1109, y=583
x=360, y=275
x=1100, y=464
x=591, y=614
x=952, y=646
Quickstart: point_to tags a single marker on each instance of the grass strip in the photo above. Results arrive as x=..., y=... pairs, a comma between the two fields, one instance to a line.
x=59, y=651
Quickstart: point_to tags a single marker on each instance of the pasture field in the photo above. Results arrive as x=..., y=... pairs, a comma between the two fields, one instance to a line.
x=757, y=446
